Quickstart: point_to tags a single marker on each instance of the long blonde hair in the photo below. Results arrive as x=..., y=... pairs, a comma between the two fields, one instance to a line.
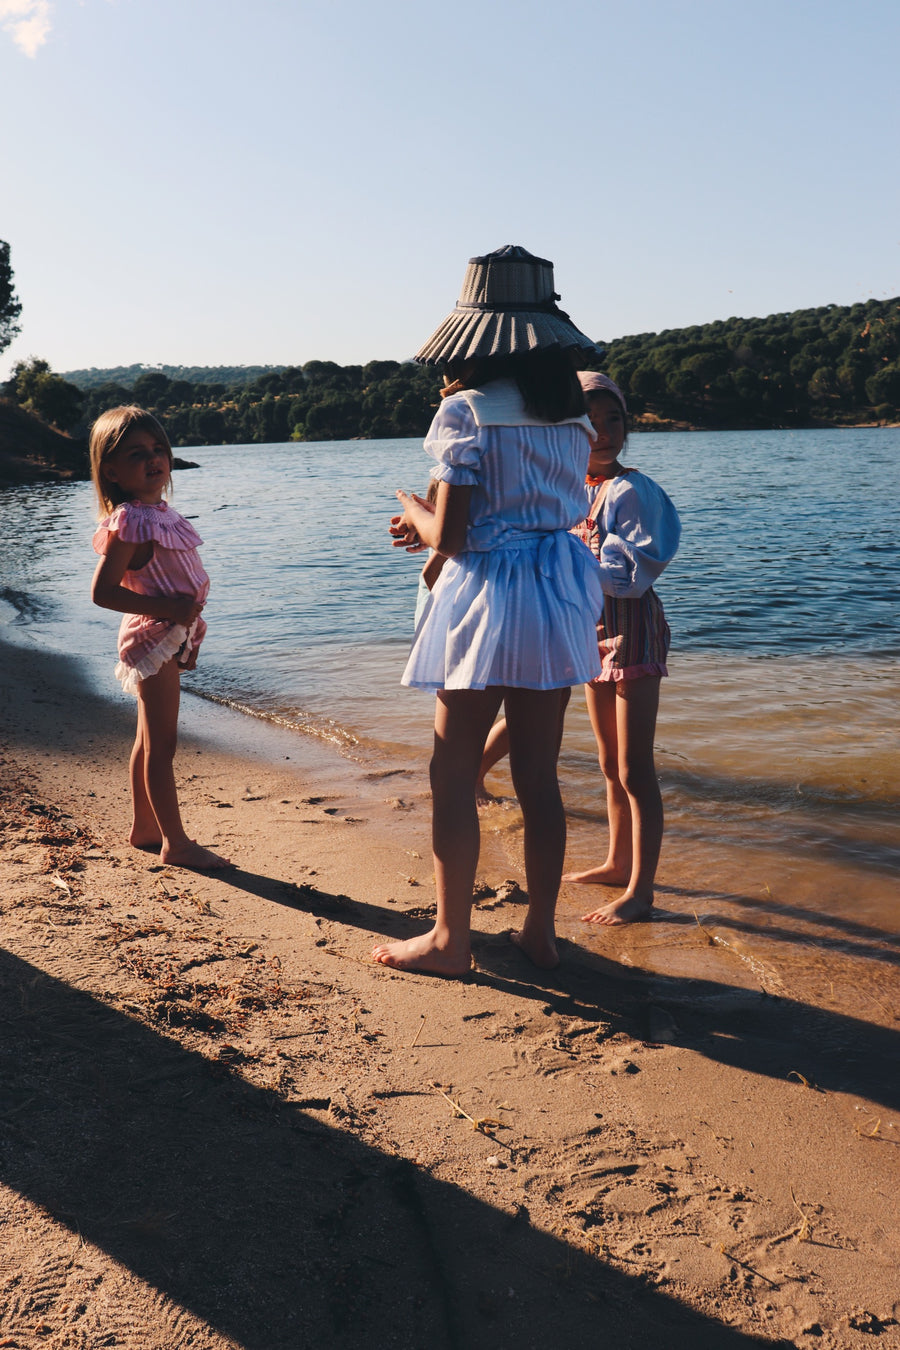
x=107, y=434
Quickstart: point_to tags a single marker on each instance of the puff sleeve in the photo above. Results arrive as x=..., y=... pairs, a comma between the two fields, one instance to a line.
x=642, y=530
x=453, y=441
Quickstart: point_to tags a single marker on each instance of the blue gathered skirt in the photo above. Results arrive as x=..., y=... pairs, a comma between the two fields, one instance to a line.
x=522, y=615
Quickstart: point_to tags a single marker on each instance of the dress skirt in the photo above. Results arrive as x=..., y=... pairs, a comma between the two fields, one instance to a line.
x=522, y=615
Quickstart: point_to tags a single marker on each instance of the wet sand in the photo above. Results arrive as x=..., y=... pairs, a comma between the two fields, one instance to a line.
x=222, y=1125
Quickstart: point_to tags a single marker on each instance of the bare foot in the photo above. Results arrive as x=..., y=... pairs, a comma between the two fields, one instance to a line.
x=627, y=909
x=145, y=834
x=148, y=842
x=540, y=948
x=607, y=875
x=427, y=954
x=483, y=797
x=192, y=854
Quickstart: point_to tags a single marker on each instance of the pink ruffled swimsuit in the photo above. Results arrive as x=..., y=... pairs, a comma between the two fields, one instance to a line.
x=175, y=568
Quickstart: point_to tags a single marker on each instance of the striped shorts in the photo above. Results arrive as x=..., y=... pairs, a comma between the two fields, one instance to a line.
x=634, y=638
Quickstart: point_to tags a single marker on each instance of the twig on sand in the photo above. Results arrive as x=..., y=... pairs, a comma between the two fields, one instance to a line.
x=418, y=1033
x=794, y=1073
x=710, y=937
x=752, y=1269
x=345, y=956
x=804, y=1231
x=484, y=1124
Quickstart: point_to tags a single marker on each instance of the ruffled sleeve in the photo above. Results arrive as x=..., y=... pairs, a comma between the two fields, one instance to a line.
x=642, y=534
x=453, y=441
x=138, y=524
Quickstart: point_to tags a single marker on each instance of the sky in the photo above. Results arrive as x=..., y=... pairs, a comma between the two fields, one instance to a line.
x=208, y=182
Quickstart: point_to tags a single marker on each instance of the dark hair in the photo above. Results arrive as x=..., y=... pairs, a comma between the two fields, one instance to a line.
x=547, y=380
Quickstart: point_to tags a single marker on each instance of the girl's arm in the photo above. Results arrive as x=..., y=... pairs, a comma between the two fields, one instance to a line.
x=642, y=535
x=432, y=569
x=108, y=592
x=443, y=529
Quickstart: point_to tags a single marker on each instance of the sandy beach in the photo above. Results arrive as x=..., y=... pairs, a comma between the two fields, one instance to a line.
x=222, y=1126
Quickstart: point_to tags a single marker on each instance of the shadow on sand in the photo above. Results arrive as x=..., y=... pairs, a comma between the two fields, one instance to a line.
x=276, y=1228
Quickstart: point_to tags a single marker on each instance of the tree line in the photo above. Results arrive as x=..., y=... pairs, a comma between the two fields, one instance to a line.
x=319, y=401
x=816, y=367
x=812, y=367
x=836, y=365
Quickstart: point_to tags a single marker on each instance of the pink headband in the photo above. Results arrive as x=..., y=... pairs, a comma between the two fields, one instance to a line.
x=594, y=383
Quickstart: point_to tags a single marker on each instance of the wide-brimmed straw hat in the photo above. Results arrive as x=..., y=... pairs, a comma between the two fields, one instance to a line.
x=507, y=306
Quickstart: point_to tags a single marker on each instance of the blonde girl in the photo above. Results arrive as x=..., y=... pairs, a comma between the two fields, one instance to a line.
x=150, y=573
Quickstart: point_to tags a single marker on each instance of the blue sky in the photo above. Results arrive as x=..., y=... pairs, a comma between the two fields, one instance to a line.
x=208, y=181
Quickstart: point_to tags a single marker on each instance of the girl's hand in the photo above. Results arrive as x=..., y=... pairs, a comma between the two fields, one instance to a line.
x=191, y=661
x=402, y=528
x=442, y=526
x=183, y=610
x=404, y=535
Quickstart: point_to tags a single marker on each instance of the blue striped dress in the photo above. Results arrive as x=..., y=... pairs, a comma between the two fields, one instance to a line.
x=519, y=606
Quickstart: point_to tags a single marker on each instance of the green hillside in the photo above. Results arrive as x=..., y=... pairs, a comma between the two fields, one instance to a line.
x=833, y=366
x=230, y=376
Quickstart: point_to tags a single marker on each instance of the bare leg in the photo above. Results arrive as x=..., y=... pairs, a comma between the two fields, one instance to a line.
x=462, y=721
x=145, y=831
x=637, y=703
x=495, y=747
x=158, y=700
x=535, y=727
x=616, y=870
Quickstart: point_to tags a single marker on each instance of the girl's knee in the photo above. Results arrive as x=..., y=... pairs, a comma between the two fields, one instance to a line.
x=609, y=767
x=451, y=779
x=538, y=795
x=160, y=748
x=638, y=779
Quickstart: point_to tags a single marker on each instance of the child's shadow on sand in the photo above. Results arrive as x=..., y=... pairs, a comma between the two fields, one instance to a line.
x=745, y=1028
x=309, y=899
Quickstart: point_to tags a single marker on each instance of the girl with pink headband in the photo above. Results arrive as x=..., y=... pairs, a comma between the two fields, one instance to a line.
x=633, y=530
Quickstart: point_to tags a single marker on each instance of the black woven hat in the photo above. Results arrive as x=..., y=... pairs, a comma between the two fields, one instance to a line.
x=507, y=305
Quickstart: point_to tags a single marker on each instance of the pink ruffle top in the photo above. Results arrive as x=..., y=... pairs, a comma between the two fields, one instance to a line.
x=145, y=644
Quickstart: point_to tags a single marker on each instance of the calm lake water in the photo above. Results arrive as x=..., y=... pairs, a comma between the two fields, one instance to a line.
x=778, y=730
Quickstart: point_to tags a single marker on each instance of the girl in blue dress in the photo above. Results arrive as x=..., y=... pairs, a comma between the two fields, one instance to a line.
x=512, y=617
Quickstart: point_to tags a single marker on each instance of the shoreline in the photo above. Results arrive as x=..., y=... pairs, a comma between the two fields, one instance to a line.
x=24, y=469
x=224, y=1123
